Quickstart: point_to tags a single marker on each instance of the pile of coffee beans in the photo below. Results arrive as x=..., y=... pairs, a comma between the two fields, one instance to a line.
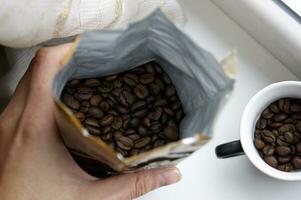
x=133, y=112
x=278, y=134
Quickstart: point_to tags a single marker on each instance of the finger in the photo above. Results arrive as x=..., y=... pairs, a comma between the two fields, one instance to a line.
x=131, y=186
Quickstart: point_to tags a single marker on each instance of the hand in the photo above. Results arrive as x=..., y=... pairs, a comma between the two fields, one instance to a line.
x=34, y=163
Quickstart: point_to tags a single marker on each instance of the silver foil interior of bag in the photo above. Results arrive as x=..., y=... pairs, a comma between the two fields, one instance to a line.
x=200, y=81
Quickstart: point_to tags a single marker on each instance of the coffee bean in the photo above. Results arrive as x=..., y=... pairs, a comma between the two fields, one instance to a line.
x=104, y=106
x=274, y=108
x=80, y=116
x=147, y=78
x=154, y=89
x=111, y=78
x=95, y=100
x=164, y=118
x=284, y=159
x=296, y=161
x=287, y=128
x=106, y=129
x=84, y=90
x=117, y=123
x=168, y=111
x=93, y=130
x=283, y=150
x=295, y=108
x=268, y=150
x=259, y=144
x=140, y=113
x=105, y=87
x=122, y=109
x=170, y=91
x=158, y=143
x=107, y=120
x=125, y=143
x=280, y=117
x=156, y=114
x=176, y=105
x=146, y=122
x=117, y=135
x=261, y=123
x=171, y=132
x=70, y=101
x=281, y=141
x=92, y=122
x=138, y=105
x=267, y=113
x=141, y=91
x=131, y=79
x=107, y=136
x=271, y=160
x=160, y=102
x=298, y=147
x=92, y=82
x=84, y=106
x=149, y=68
x=134, y=122
x=284, y=105
x=117, y=83
x=142, y=142
x=275, y=124
x=142, y=131
x=289, y=137
x=268, y=136
x=95, y=112
x=73, y=83
x=113, y=112
x=134, y=137
x=160, y=84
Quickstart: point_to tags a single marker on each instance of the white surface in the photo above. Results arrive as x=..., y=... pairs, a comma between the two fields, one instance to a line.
x=253, y=109
x=269, y=24
x=204, y=176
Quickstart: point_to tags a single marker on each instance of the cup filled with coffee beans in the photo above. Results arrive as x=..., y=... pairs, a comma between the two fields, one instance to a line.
x=138, y=98
x=270, y=132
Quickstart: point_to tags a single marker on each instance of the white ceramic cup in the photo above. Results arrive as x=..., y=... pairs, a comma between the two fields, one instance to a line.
x=252, y=112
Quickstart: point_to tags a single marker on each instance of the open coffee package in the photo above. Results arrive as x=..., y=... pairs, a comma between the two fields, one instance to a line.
x=200, y=81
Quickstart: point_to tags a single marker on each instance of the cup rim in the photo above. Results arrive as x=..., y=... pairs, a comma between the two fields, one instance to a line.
x=248, y=146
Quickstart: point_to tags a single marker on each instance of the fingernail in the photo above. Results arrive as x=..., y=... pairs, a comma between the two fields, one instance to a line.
x=169, y=176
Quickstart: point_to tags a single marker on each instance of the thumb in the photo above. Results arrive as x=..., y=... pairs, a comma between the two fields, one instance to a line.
x=130, y=186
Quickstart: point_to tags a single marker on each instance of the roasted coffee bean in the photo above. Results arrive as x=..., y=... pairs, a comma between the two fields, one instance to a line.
x=95, y=100
x=105, y=87
x=147, y=78
x=111, y=78
x=141, y=91
x=125, y=143
x=280, y=117
x=149, y=68
x=73, y=83
x=92, y=122
x=296, y=161
x=284, y=159
x=156, y=114
x=106, y=120
x=267, y=113
x=146, y=122
x=281, y=141
x=170, y=91
x=95, y=112
x=283, y=150
x=84, y=90
x=92, y=82
x=71, y=101
x=295, y=107
x=274, y=108
x=261, y=123
x=154, y=89
x=80, y=116
x=268, y=150
x=142, y=131
x=271, y=160
x=84, y=106
x=275, y=124
x=93, y=130
x=133, y=112
x=142, y=142
x=171, y=132
x=268, y=136
x=117, y=123
x=259, y=144
x=104, y=106
x=289, y=137
x=160, y=102
x=298, y=147
x=140, y=113
x=287, y=167
x=134, y=122
x=287, y=128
